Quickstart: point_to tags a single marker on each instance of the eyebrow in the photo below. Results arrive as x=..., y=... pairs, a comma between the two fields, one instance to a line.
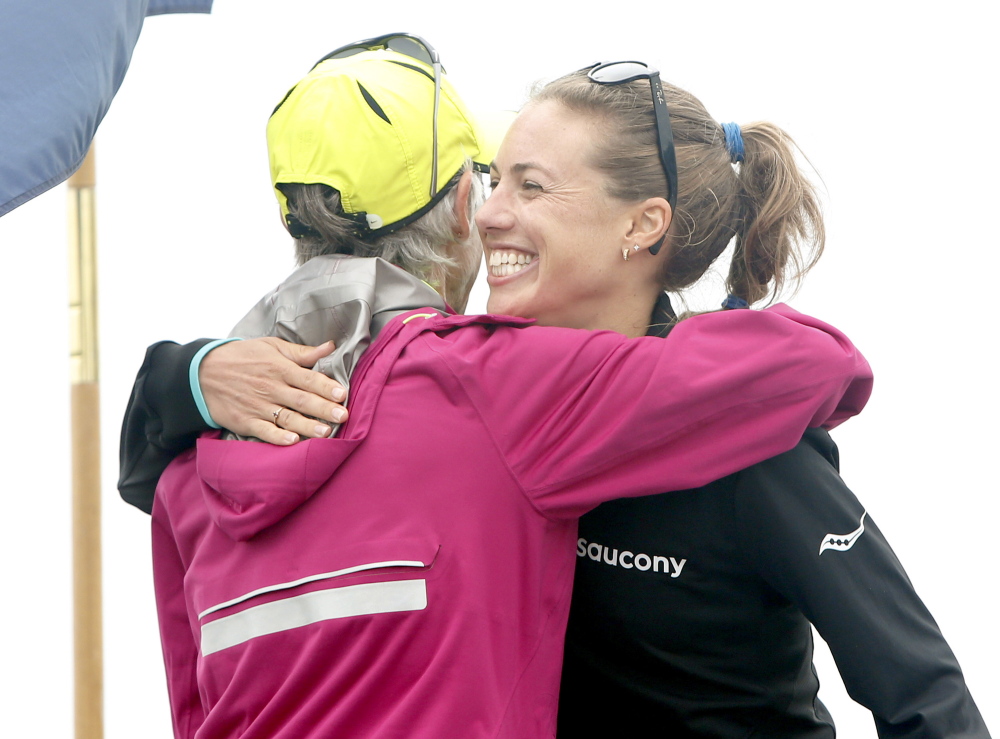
x=521, y=167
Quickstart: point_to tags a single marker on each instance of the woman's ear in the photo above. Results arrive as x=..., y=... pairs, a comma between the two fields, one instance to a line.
x=649, y=223
x=463, y=223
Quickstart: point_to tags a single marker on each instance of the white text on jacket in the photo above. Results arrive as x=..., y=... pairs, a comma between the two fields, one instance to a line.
x=627, y=559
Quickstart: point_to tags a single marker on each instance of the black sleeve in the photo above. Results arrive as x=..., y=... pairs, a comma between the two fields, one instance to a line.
x=160, y=422
x=813, y=541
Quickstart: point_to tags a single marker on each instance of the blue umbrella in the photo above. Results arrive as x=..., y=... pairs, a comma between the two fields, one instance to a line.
x=61, y=64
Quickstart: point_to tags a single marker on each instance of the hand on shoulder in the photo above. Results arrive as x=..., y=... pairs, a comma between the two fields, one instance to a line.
x=266, y=388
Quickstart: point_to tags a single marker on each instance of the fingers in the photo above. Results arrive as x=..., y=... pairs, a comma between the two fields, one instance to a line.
x=244, y=382
x=306, y=357
x=308, y=403
x=286, y=418
x=270, y=433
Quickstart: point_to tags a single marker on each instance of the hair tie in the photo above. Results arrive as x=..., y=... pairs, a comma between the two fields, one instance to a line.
x=732, y=301
x=734, y=141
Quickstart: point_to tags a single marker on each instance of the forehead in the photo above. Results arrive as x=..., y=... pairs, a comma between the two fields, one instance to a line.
x=548, y=135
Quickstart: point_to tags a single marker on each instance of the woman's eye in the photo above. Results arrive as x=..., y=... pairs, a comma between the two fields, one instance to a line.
x=493, y=184
x=529, y=185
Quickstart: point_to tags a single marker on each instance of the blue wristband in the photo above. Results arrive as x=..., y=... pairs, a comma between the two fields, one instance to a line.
x=199, y=399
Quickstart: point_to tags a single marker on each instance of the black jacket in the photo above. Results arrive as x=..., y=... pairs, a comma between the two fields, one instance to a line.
x=713, y=639
x=161, y=420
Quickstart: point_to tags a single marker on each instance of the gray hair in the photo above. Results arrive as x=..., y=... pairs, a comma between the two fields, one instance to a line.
x=419, y=248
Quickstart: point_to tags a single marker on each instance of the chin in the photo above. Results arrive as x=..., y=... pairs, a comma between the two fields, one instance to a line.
x=506, y=300
x=502, y=307
x=494, y=304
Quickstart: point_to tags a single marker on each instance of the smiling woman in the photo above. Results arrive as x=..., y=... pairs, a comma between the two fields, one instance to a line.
x=581, y=182
x=549, y=210
x=580, y=185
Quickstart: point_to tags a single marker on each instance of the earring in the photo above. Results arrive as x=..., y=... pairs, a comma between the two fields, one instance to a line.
x=636, y=247
x=625, y=254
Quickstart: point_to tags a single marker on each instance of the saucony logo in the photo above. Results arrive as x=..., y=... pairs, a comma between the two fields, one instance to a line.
x=627, y=560
x=843, y=542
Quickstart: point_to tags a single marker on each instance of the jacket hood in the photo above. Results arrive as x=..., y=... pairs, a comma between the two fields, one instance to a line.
x=251, y=486
x=248, y=487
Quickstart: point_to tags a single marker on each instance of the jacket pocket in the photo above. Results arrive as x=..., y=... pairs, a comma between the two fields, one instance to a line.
x=367, y=579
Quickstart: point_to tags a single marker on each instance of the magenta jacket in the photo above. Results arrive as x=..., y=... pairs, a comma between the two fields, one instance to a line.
x=411, y=578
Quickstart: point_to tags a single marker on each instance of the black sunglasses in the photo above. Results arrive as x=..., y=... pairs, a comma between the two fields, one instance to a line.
x=618, y=73
x=411, y=46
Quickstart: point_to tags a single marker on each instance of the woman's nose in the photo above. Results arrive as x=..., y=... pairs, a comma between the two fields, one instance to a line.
x=493, y=215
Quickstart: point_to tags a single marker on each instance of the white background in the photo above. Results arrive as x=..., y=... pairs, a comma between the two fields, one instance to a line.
x=894, y=104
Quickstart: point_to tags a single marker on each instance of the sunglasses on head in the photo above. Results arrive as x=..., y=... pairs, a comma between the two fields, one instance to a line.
x=411, y=46
x=618, y=73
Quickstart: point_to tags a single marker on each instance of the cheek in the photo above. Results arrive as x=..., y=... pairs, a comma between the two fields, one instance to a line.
x=575, y=284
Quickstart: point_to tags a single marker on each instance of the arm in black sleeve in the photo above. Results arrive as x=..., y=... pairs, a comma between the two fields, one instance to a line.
x=161, y=420
x=816, y=545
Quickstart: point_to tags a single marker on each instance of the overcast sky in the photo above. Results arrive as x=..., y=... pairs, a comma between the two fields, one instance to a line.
x=895, y=108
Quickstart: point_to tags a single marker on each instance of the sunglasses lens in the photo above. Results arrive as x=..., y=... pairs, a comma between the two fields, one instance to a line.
x=344, y=53
x=400, y=44
x=619, y=72
x=410, y=47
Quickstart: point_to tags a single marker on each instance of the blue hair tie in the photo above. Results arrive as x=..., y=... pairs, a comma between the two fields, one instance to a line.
x=734, y=141
x=732, y=302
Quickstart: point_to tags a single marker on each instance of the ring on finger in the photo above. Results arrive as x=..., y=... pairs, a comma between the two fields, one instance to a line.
x=277, y=412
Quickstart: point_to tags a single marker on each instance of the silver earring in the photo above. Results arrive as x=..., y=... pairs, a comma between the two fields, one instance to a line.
x=625, y=254
x=636, y=247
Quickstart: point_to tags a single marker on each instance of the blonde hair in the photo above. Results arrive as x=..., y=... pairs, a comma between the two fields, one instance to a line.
x=765, y=202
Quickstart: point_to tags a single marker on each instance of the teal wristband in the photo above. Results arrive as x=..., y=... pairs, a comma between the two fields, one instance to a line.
x=199, y=399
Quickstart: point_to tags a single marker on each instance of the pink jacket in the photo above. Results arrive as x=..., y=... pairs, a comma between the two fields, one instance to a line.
x=411, y=578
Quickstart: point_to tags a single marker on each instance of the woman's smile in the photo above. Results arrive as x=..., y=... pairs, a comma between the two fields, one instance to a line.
x=502, y=263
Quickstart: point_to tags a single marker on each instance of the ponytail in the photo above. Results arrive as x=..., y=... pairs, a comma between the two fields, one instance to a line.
x=779, y=228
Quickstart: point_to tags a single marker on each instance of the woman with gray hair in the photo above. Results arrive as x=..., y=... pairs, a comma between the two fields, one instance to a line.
x=347, y=301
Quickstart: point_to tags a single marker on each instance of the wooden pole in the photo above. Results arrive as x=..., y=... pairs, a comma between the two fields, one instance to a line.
x=85, y=423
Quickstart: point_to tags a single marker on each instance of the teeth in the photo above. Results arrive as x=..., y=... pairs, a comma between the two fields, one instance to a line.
x=502, y=270
x=503, y=263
